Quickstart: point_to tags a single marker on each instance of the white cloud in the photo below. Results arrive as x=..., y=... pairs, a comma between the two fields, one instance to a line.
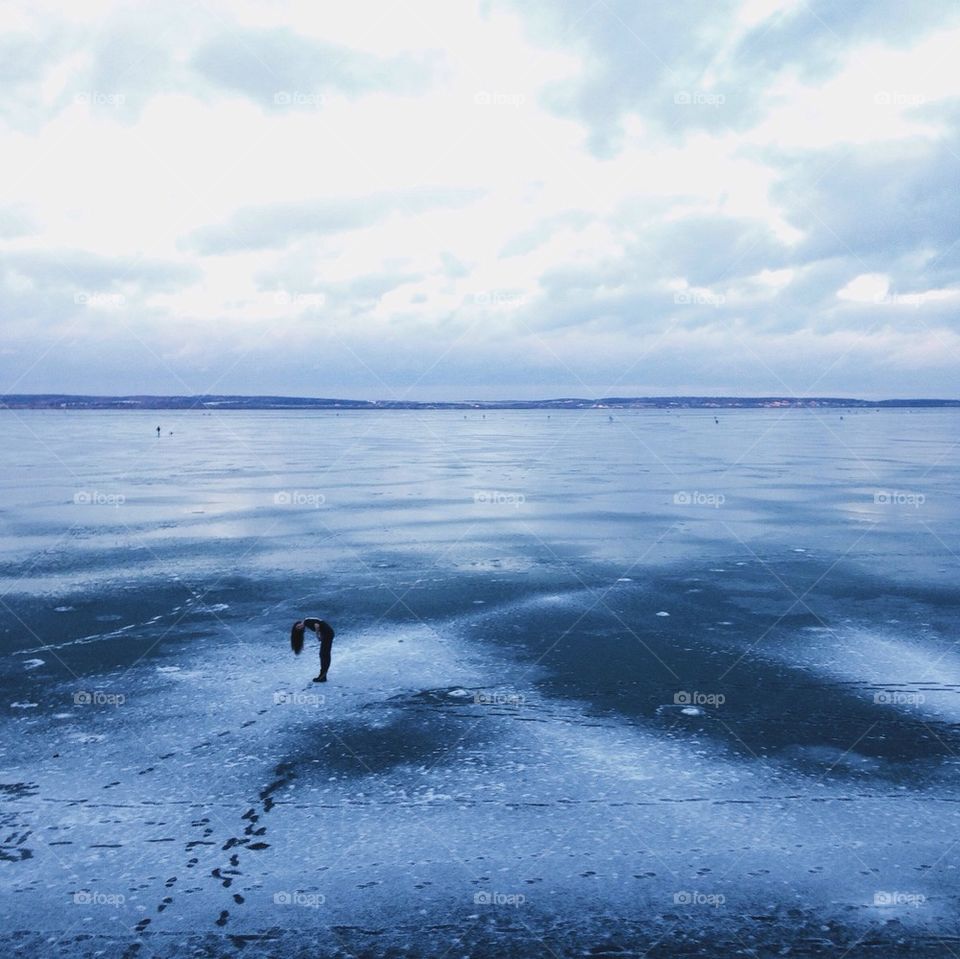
x=865, y=288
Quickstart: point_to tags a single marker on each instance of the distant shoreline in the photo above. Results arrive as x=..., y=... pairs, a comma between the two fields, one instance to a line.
x=54, y=401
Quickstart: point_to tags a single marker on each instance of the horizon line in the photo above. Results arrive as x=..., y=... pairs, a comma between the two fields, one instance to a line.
x=226, y=400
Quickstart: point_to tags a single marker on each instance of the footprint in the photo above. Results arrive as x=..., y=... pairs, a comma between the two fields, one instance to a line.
x=164, y=903
x=238, y=899
x=141, y=925
x=224, y=916
x=225, y=881
x=170, y=881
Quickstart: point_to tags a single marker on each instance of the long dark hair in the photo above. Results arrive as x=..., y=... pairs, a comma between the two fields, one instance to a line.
x=296, y=637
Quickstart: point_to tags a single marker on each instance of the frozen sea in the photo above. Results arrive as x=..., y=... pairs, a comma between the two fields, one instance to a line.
x=605, y=683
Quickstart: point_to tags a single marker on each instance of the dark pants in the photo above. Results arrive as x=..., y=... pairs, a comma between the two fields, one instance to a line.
x=326, y=647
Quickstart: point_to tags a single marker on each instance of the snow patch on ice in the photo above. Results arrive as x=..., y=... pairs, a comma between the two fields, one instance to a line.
x=675, y=709
x=550, y=599
x=897, y=672
x=833, y=757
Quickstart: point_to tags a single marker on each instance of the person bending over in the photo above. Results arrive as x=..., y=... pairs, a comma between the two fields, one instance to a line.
x=324, y=633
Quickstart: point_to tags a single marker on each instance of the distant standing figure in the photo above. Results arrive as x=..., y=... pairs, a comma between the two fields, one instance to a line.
x=324, y=633
x=158, y=432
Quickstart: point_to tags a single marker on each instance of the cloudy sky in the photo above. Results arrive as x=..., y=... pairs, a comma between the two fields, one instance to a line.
x=480, y=198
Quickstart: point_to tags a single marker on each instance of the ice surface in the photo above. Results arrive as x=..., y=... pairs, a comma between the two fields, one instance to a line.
x=518, y=752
